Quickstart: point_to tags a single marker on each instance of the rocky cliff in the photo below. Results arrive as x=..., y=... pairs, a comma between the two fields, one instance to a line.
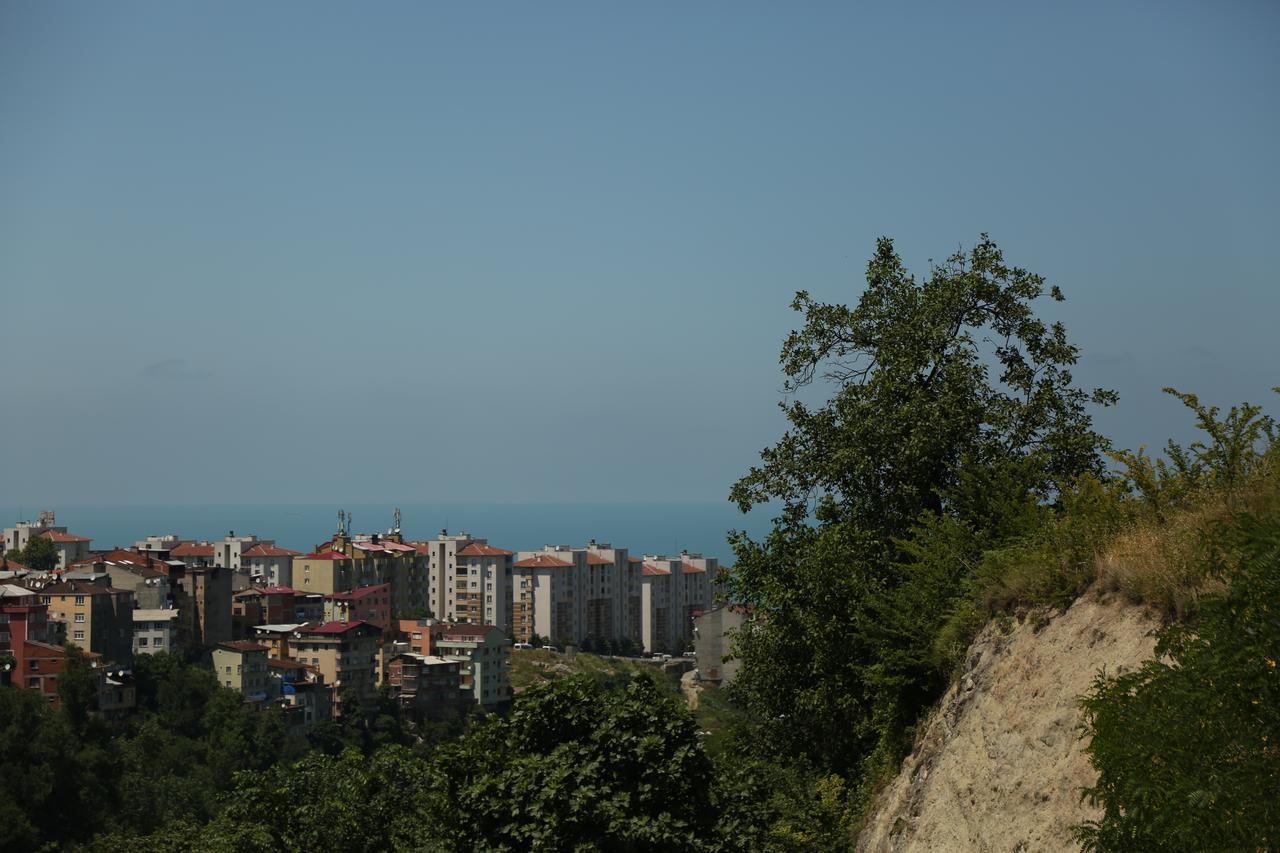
x=1000, y=764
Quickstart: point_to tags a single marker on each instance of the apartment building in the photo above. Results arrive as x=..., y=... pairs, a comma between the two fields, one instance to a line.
x=697, y=574
x=349, y=562
x=343, y=652
x=23, y=617
x=98, y=618
x=426, y=686
x=440, y=559
x=713, y=633
x=605, y=611
x=242, y=666
x=370, y=604
x=482, y=585
x=193, y=553
x=267, y=564
x=548, y=588
x=155, y=630
x=482, y=650
x=202, y=594
x=657, y=613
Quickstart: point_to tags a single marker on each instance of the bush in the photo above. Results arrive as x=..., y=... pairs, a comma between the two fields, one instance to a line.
x=1188, y=747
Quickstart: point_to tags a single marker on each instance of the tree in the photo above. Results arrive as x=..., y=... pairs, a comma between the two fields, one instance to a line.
x=576, y=767
x=950, y=397
x=77, y=687
x=39, y=555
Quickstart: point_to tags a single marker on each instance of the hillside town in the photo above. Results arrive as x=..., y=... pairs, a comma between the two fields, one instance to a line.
x=431, y=623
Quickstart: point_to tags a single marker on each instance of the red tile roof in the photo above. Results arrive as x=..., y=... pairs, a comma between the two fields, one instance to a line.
x=261, y=550
x=275, y=590
x=477, y=549
x=593, y=560
x=653, y=570
x=542, y=561
x=635, y=559
x=325, y=555
x=690, y=569
x=192, y=549
x=7, y=565
x=362, y=592
x=58, y=536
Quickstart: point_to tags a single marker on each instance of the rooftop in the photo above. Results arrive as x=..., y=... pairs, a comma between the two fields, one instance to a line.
x=543, y=561
x=58, y=536
x=242, y=646
x=482, y=549
x=264, y=550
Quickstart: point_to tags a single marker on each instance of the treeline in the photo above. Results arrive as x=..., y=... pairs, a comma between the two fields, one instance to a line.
x=574, y=765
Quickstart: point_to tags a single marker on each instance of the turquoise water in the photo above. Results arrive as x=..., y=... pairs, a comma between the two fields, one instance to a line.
x=643, y=528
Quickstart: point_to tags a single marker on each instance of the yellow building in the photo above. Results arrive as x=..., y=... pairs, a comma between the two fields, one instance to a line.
x=242, y=665
x=344, y=653
x=97, y=618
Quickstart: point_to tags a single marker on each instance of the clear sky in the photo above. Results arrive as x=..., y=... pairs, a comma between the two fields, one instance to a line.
x=278, y=252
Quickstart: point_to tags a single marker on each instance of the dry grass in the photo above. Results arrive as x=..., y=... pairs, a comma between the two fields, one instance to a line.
x=1162, y=563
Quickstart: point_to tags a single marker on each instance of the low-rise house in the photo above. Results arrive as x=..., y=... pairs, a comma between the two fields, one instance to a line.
x=242, y=666
x=70, y=548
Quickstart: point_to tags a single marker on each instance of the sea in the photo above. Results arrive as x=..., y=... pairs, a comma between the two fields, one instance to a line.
x=643, y=528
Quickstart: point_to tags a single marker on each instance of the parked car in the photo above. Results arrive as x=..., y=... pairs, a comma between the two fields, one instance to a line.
x=550, y=649
x=523, y=646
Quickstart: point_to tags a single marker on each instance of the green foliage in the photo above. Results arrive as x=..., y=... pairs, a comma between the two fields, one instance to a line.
x=39, y=555
x=576, y=766
x=77, y=687
x=1221, y=465
x=953, y=421
x=346, y=802
x=1188, y=747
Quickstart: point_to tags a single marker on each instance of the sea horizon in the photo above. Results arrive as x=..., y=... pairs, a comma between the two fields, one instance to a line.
x=642, y=527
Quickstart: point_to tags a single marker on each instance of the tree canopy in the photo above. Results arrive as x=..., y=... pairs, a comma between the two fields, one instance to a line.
x=950, y=400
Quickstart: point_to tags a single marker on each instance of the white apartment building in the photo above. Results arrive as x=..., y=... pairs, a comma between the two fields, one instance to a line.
x=229, y=553
x=70, y=548
x=268, y=564
x=656, y=608
x=482, y=585
x=549, y=587
x=441, y=555
x=607, y=604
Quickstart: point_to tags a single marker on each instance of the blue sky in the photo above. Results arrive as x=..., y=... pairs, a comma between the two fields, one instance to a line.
x=395, y=252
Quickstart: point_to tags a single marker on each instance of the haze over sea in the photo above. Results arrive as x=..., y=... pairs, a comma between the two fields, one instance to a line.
x=644, y=528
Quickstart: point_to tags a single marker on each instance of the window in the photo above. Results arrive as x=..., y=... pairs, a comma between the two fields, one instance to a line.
x=34, y=682
x=142, y=641
x=228, y=670
x=79, y=635
x=79, y=599
x=79, y=617
x=33, y=664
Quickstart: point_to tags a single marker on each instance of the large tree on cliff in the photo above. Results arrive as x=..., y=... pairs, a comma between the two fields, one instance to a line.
x=949, y=397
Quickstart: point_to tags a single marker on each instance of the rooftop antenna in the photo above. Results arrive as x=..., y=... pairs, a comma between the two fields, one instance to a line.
x=396, y=516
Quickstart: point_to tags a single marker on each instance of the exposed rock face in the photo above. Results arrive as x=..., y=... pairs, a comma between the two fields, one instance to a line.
x=1000, y=764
